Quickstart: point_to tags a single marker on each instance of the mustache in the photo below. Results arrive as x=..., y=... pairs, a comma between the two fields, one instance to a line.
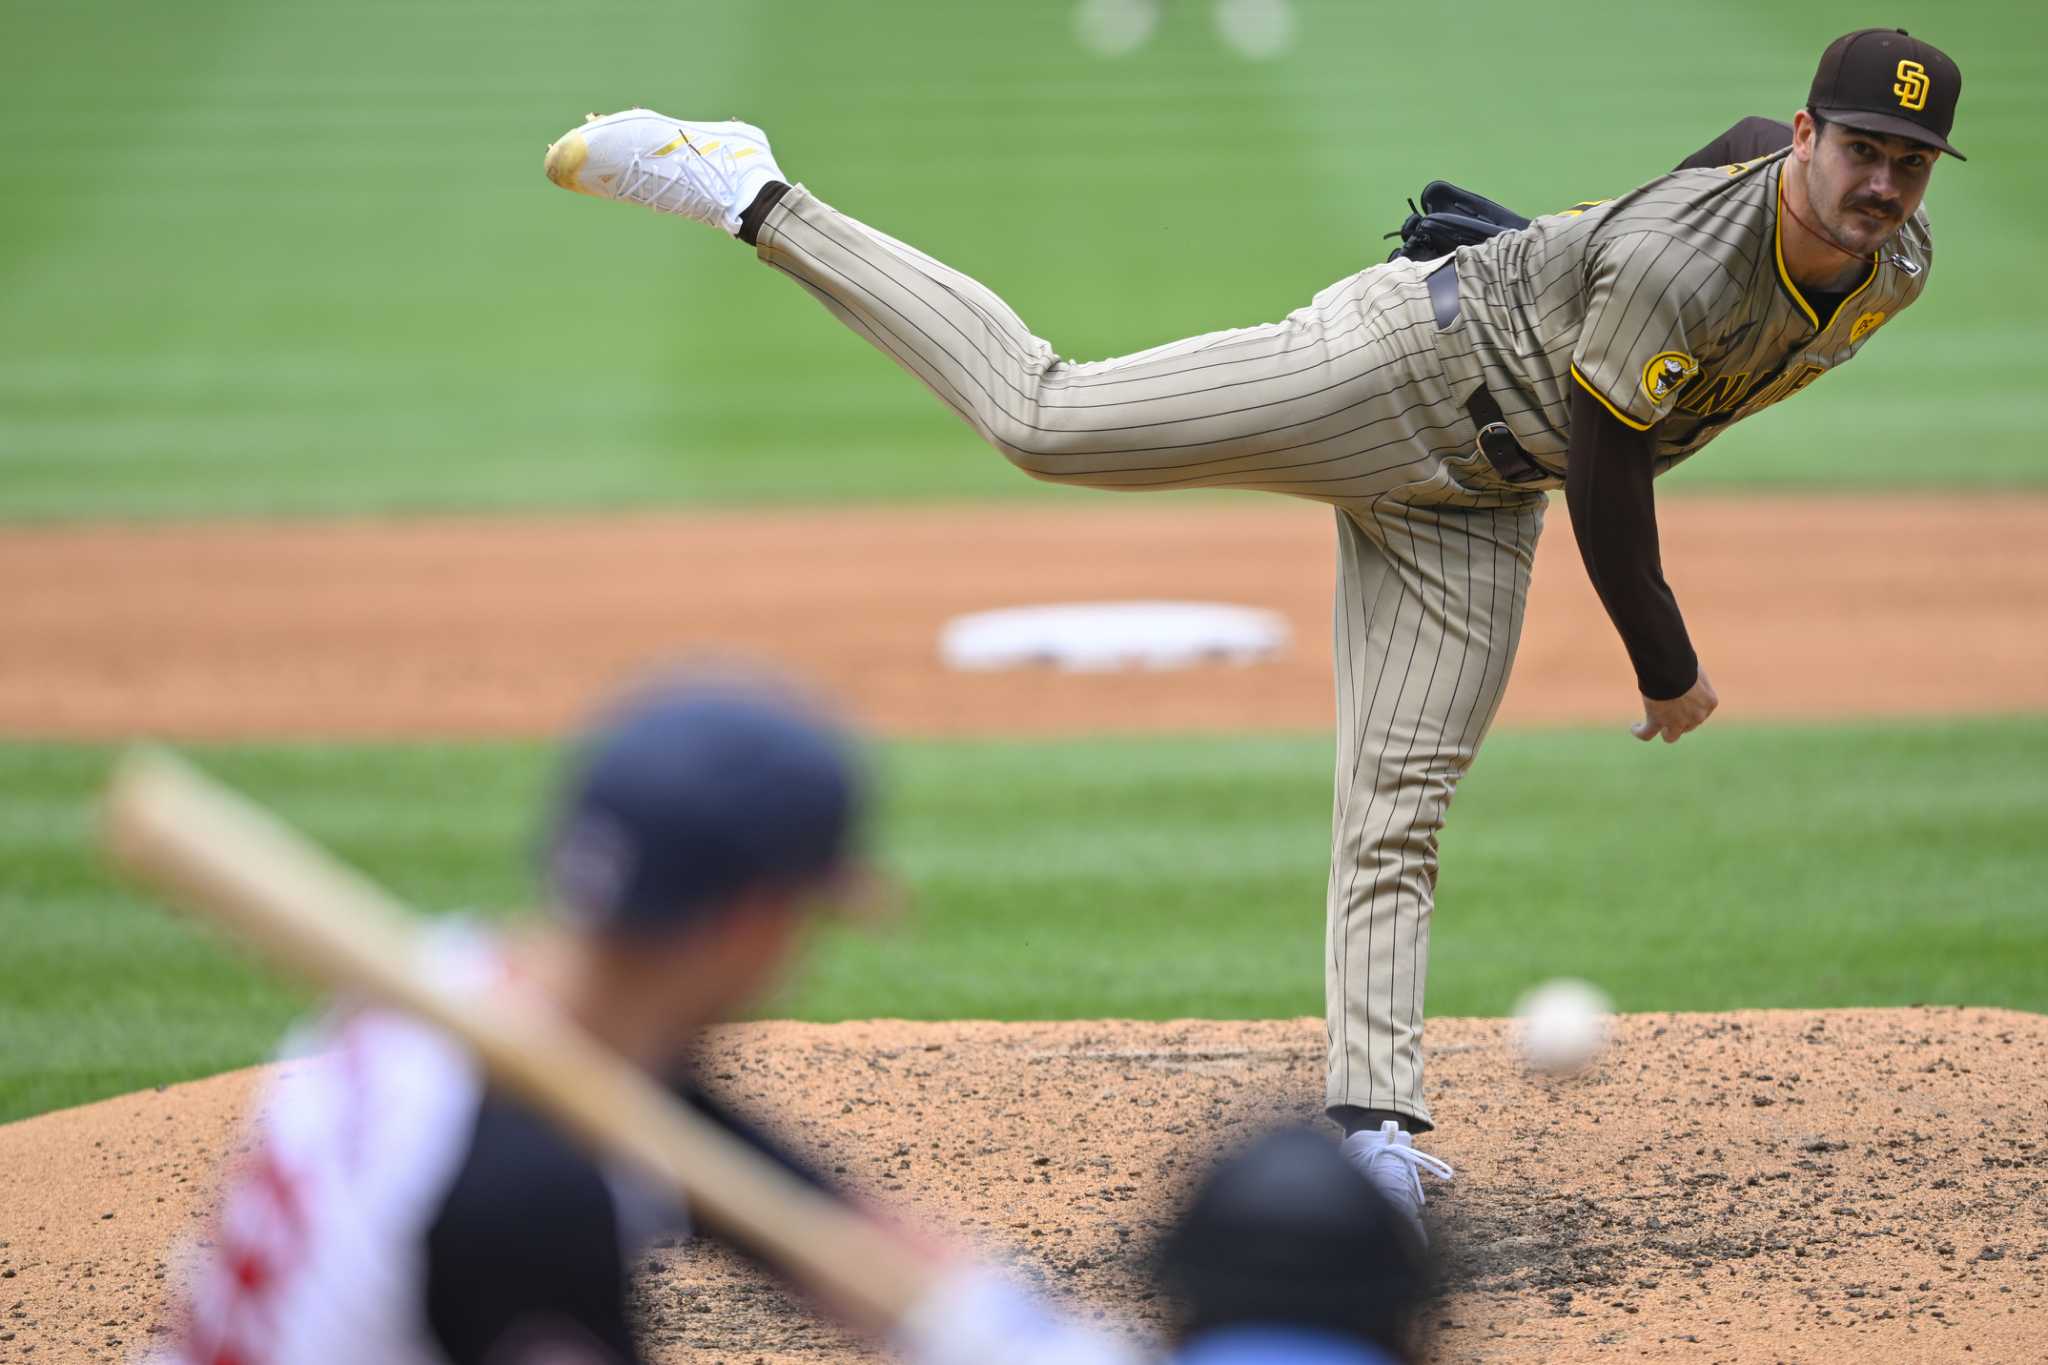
x=1888, y=207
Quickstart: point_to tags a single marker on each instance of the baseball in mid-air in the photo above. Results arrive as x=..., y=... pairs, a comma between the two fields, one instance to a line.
x=1561, y=1026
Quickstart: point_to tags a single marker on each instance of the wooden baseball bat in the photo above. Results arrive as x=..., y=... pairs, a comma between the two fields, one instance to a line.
x=234, y=863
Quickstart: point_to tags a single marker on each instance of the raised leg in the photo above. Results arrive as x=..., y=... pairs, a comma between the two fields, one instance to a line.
x=1342, y=402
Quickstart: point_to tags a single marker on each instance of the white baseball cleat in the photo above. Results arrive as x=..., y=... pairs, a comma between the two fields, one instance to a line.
x=706, y=171
x=1392, y=1162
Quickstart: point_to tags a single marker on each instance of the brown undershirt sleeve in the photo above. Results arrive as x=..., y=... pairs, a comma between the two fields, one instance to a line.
x=1608, y=488
x=1747, y=140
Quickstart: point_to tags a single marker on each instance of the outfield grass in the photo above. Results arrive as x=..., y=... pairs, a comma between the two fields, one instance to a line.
x=279, y=256
x=1145, y=878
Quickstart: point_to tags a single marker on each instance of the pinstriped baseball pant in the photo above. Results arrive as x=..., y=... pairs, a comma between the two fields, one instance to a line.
x=1345, y=403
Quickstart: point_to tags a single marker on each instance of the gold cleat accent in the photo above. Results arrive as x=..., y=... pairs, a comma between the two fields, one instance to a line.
x=565, y=160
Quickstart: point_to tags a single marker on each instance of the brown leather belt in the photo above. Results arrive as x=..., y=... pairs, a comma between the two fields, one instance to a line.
x=1494, y=440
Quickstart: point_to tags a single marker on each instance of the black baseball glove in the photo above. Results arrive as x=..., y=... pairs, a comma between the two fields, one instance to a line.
x=1448, y=219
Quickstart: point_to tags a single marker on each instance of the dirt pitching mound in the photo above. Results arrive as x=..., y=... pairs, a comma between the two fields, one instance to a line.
x=1779, y=1186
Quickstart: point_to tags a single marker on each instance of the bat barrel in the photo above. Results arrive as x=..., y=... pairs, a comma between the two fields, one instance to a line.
x=235, y=864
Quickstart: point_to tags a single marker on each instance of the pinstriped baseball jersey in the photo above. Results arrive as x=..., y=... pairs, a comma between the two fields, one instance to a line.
x=1671, y=304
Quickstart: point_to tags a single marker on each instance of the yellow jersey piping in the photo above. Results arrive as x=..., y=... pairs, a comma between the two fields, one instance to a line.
x=1834, y=316
x=1785, y=276
x=1631, y=423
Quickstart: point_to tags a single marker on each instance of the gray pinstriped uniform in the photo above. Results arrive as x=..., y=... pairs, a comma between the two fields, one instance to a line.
x=1687, y=267
x=1357, y=400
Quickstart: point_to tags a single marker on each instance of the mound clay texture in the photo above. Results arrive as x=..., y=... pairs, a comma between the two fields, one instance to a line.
x=1782, y=1186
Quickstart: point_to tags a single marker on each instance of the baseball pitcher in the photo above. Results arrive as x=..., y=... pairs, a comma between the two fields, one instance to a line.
x=1432, y=404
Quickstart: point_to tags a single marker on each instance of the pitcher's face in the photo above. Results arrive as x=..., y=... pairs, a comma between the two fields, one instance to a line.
x=1862, y=186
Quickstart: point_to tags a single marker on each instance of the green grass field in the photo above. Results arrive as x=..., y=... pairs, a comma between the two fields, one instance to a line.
x=1144, y=878
x=278, y=256
x=273, y=257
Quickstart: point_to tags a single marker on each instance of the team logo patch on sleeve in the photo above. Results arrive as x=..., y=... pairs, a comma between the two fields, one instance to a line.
x=1864, y=326
x=1667, y=373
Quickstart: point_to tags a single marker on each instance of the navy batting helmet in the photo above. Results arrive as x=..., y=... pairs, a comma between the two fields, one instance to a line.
x=695, y=790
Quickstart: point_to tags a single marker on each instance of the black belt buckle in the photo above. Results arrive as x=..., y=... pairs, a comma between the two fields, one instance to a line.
x=1506, y=455
x=1498, y=445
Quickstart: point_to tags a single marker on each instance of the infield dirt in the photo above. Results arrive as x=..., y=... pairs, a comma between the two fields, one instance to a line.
x=1801, y=607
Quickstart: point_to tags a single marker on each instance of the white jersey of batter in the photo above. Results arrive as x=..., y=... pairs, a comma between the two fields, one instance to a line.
x=319, y=1255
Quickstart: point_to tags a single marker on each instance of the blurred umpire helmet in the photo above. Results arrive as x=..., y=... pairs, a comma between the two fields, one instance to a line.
x=1288, y=1235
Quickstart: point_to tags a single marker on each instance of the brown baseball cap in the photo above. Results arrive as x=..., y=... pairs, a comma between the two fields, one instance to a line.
x=1884, y=80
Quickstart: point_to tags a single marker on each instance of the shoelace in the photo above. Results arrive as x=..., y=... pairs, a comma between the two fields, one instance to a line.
x=693, y=176
x=1411, y=1158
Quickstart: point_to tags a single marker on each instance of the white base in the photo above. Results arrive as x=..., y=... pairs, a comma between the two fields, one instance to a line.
x=1107, y=636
